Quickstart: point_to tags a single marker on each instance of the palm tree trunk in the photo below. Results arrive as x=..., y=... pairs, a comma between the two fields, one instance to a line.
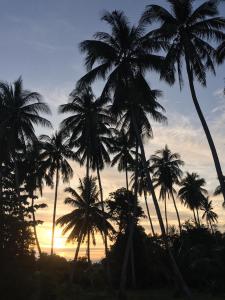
x=176, y=270
x=148, y=212
x=87, y=166
x=198, y=217
x=76, y=257
x=34, y=225
x=105, y=230
x=54, y=210
x=210, y=223
x=127, y=185
x=129, y=243
x=196, y=222
x=88, y=247
x=205, y=127
x=166, y=219
x=178, y=216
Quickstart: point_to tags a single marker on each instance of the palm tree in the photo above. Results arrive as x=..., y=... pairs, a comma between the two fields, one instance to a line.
x=142, y=187
x=167, y=172
x=89, y=131
x=87, y=218
x=20, y=111
x=208, y=213
x=190, y=32
x=192, y=193
x=56, y=153
x=121, y=149
x=35, y=175
x=122, y=58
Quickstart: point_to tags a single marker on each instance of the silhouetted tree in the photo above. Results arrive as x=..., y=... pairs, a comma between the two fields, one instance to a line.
x=56, y=153
x=166, y=167
x=192, y=193
x=190, y=31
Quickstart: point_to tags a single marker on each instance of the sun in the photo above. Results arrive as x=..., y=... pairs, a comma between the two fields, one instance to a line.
x=59, y=242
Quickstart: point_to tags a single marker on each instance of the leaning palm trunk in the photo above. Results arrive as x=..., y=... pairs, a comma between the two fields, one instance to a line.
x=105, y=231
x=54, y=210
x=205, y=127
x=34, y=225
x=178, y=216
x=129, y=244
x=76, y=256
x=176, y=270
x=148, y=212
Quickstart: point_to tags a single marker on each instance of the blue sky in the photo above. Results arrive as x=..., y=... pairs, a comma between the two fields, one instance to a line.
x=39, y=40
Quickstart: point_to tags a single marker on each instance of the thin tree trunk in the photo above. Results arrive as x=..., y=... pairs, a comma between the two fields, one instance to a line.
x=87, y=166
x=105, y=230
x=76, y=257
x=210, y=223
x=123, y=278
x=198, y=217
x=34, y=225
x=176, y=270
x=196, y=222
x=166, y=219
x=178, y=216
x=88, y=247
x=205, y=127
x=54, y=210
x=126, y=177
x=148, y=212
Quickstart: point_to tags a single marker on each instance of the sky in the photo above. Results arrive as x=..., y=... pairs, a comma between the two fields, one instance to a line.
x=39, y=41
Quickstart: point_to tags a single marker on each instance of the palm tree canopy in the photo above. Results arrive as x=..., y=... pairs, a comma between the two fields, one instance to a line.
x=34, y=169
x=87, y=215
x=20, y=112
x=189, y=31
x=166, y=167
x=141, y=176
x=192, y=191
x=56, y=153
x=88, y=127
x=120, y=54
x=122, y=146
x=208, y=212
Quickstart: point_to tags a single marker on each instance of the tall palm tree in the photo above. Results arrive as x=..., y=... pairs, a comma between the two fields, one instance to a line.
x=121, y=58
x=142, y=187
x=121, y=149
x=166, y=167
x=35, y=175
x=56, y=153
x=89, y=131
x=190, y=31
x=192, y=192
x=208, y=213
x=20, y=111
x=87, y=218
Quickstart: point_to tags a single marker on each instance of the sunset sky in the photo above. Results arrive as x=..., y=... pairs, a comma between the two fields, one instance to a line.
x=39, y=40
